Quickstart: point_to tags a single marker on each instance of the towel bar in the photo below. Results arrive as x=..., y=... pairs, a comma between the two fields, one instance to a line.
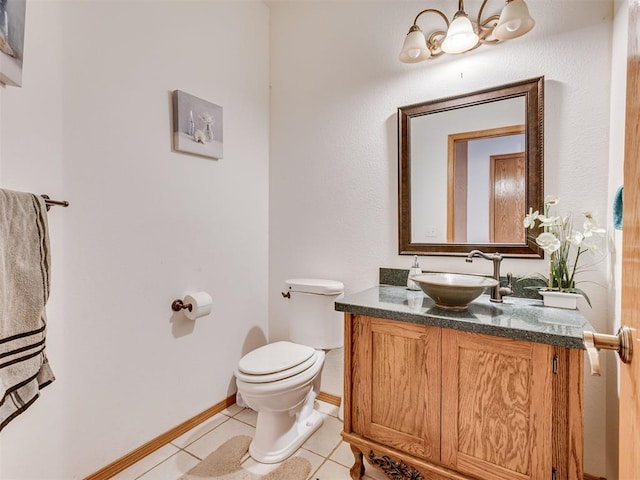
x=50, y=203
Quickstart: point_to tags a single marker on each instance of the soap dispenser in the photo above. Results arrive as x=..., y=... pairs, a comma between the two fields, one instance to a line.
x=414, y=270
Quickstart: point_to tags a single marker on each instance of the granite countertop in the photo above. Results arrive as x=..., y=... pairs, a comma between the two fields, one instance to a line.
x=517, y=318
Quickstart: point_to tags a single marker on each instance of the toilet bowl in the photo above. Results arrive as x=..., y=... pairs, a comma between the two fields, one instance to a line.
x=281, y=380
x=284, y=399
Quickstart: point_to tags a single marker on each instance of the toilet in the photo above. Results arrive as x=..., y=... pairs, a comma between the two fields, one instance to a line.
x=282, y=379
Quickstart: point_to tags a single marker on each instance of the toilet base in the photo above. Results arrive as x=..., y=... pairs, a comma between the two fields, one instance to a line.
x=294, y=437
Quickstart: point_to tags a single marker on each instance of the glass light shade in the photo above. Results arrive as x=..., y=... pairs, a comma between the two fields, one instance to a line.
x=415, y=48
x=514, y=21
x=460, y=37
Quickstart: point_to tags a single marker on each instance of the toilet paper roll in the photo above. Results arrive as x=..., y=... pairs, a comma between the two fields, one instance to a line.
x=200, y=302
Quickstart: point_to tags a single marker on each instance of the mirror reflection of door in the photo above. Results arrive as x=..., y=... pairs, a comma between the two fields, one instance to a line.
x=486, y=188
x=507, y=198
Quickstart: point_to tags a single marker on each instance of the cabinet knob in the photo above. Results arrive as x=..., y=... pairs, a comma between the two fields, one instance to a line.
x=621, y=343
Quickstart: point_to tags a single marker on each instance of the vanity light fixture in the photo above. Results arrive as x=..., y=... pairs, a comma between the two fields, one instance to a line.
x=462, y=34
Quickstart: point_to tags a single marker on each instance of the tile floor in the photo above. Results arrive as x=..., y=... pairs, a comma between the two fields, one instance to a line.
x=329, y=456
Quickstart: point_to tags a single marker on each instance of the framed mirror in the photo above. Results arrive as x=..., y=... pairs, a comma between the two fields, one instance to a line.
x=470, y=168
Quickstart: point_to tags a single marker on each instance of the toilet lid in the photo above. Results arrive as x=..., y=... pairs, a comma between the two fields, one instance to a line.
x=282, y=375
x=275, y=357
x=315, y=285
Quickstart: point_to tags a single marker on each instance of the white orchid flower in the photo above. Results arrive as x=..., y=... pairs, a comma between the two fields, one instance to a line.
x=576, y=238
x=530, y=218
x=548, y=221
x=548, y=242
x=551, y=200
x=591, y=226
x=563, y=241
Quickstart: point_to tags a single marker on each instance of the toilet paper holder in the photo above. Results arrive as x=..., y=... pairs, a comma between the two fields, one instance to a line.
x=195, y=305
x=178, y=305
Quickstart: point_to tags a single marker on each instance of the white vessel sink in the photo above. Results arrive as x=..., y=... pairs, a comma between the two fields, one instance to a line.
x=453, y=291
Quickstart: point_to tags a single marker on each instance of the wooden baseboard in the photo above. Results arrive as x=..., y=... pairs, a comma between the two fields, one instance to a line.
x=329, y=398
x=161, y=440
x=151, y=446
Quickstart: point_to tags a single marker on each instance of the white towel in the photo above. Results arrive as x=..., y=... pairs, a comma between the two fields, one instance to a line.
x=24, y=290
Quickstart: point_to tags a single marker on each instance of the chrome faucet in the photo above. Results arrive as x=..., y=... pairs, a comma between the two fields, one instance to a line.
x=496, y=292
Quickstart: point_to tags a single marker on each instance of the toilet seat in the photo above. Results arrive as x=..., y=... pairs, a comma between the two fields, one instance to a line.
x=275, y=361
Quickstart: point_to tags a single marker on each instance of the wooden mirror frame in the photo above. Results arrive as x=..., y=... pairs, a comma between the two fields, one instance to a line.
x=533, y=92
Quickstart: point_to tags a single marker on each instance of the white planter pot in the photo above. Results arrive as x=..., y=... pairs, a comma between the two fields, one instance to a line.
x=560, y=299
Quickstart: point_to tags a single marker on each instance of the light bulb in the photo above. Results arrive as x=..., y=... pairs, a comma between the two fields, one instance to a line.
x=514, y=22
x=513, y=26
x=461, y=36
x=415, y=47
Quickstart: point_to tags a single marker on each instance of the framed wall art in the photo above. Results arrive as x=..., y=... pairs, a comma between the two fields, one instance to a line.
x=197, y=126
x=12, y=13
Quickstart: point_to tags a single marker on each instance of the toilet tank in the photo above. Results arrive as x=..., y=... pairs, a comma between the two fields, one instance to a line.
x=313, y=320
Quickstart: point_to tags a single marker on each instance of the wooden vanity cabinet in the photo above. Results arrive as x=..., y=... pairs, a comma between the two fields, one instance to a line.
x=397, y=383
x=425, y=402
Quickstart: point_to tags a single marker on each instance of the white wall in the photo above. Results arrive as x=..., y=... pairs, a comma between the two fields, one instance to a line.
x=336, y=85
x=146, y=225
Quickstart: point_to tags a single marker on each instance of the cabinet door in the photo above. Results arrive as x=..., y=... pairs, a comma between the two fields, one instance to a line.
x=396, y=385
x=496, y=406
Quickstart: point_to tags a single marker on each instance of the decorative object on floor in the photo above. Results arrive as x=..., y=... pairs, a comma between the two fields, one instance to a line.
x=462, y=35
x=197, y=125
x=617, y=208
x=394, y=469
x=12, y=15
x=225, y=463
x=565, y=245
